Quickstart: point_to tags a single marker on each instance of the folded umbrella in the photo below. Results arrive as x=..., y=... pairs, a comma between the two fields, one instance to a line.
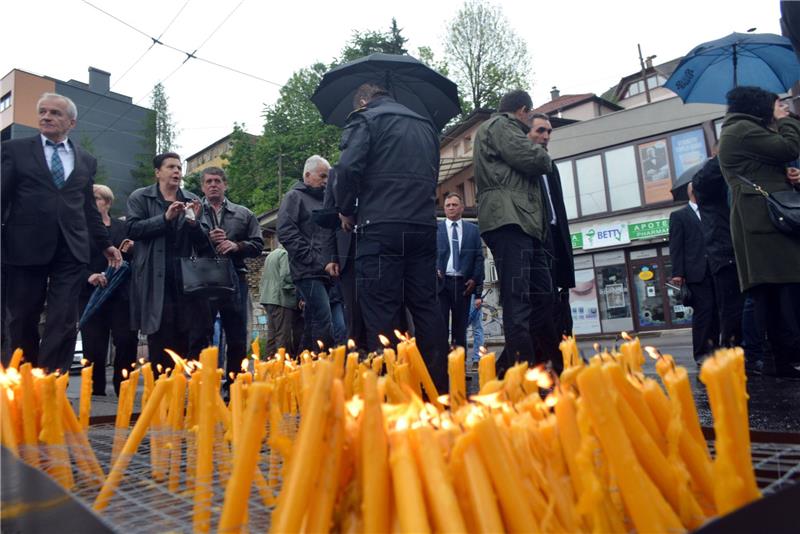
x=102, y=294
x=711, y=69
x=408, y=80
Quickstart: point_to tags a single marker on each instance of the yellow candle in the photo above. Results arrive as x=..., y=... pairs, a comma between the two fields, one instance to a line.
x=79, y=443
x=486, y=369
x=338, y=360
x=375, y=504
x=137, y=434
x=86, y=396
x=632, y=354
x=420, y=371
x=307, y=456
x=201, y=516
x=439, y=492
x=482, y=500
x=350, y=372
x=30, y=442
x=569, y=435
x=7, y=433
x=245, y=464
x=177, y=402
x=458, y=378
x=677, y=382
x=16, y=359
x=409, y=500
x=390, y=359
x=569, y=352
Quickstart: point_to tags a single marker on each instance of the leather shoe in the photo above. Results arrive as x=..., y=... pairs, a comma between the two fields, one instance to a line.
x=787, y=372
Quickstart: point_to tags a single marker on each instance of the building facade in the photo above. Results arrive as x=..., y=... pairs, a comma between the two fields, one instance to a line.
x=214, y=155
x=110, y=126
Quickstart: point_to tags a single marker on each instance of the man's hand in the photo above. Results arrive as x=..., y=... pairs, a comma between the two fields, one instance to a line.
x=113, y=256
x=226, y=247
x=440, y=274
x=197, y=208
x=793, y=175
x=332, y=269
x=677, y=280
x=174, y=209
x=478, y=303
x=125, y=246
x=217, y=235
x=301, y=304
x=469, y=287
x=348, y=222
x=98, y=279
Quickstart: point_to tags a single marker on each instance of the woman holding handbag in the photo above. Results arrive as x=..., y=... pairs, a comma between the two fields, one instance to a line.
x=162, y=220
x=759, y=136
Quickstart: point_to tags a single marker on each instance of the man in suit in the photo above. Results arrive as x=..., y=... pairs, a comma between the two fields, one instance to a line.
x=459, y=268
x=48, y=214
x=690, y=266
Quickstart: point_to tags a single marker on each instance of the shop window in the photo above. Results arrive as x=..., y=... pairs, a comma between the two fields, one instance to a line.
x=623, y=178
x=591, y=185
x=656, y=173
x=688, y=149
x=568, y=188
x=615, y=299
x=583, y=301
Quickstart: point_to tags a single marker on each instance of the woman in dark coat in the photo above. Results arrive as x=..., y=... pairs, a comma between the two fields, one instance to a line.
x=113, y=316
x=759, y=138
x=162, y=219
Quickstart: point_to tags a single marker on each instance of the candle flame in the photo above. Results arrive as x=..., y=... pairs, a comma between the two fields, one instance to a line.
x=540, y=376
x=141, y=361
x=482, y=350
x=491, y=400
x=38, y=372
x=231, y=375
x=624, y=335
x=125, y=374
x=550, y=401
x=384, y=340
x=197, y=365
x=321, y=344
x=159, y=367
x=653, y=352
x=245, y=365
x=180, y=363
x=401, y=424
x=473, y=416
x=354, y=406
x=10, y=394
x=84, y=362
x=443, y=399
x=399, y=335
x=351, y=344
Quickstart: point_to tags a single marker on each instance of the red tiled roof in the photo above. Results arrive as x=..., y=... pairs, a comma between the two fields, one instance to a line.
x=563, y=102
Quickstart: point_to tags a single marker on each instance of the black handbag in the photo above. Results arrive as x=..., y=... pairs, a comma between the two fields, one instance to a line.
x=783, y=208
x=208, y=277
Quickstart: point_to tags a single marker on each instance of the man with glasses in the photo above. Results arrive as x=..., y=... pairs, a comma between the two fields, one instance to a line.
x=513, y=222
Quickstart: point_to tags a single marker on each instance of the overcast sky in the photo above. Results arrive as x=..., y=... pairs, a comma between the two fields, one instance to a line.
x=579, y=46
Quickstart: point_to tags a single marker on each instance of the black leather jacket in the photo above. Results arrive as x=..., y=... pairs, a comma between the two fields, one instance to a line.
x=302, y=238
x=713, y=201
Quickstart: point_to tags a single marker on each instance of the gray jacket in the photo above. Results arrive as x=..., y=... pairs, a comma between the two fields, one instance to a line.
x=302, y=238
x=241, y=227
x=148, y=227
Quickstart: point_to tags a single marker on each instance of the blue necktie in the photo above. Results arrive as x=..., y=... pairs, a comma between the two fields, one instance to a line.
x=56, y=166
x=456, y=250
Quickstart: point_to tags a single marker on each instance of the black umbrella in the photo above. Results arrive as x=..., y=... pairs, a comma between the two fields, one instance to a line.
x=102, y=294
x=679, y=188
x=409, y=81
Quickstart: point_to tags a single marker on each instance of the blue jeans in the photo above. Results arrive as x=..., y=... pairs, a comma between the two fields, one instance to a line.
x=338, y=325
x=317, y=312
x=476, y=323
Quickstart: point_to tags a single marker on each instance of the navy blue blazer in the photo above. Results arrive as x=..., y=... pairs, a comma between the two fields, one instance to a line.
x=471, y=257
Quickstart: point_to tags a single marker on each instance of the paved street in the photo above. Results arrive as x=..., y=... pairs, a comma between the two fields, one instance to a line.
x=774, y=403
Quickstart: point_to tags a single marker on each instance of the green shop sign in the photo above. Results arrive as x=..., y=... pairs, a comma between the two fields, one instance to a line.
x=641, y=230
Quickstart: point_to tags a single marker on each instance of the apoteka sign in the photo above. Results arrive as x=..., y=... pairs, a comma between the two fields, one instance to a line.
x=605, y=235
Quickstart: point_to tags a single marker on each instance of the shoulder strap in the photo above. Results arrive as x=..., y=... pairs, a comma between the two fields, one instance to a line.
x=753, y=185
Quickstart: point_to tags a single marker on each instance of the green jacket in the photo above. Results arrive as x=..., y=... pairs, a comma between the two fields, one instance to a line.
x=748, y=148
x=508, y=170
x=276, y=285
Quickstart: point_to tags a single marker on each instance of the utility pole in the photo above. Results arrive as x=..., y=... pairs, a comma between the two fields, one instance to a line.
x=644, y=72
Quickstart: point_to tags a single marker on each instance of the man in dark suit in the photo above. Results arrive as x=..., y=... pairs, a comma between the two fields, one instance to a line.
x=558, y=244
x=690, y=266
x=48, y=214
x=459, y=268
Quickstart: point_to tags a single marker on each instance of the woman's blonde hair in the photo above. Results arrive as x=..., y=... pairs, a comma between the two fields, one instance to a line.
x=105, y=192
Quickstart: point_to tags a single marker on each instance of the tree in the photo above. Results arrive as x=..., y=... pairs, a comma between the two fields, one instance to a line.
x=165, y=127
x=370, y=41
x=485, y=57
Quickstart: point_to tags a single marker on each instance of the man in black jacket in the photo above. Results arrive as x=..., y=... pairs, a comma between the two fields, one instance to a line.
x=48, y=214
x=389, y=167
x=713, y=197
x=304, y=239
x=690, y=265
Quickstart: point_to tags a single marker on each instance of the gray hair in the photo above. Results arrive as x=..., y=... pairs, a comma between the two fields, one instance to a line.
x=313, y=162
x=72, y=110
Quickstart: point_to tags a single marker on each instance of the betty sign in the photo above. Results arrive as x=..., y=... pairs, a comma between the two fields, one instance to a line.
x=606, y=235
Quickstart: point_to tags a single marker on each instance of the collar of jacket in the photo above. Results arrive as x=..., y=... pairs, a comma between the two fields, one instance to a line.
x=510, y=116
x=731, y=118
x=225, y=204
x=152, y=191
x=315, y=192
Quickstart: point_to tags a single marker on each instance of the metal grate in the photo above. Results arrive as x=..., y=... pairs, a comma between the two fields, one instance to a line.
x=777, y=465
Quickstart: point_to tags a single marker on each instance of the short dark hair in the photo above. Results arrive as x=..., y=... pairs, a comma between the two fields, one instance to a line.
x=453, y=194
x=514, y=100
x=368, y=91
x=158, y=161
x=542, y=116
x=752, y=101
x=214, y=171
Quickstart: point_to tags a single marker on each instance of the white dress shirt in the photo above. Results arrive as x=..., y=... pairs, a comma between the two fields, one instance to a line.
x=549, y=200
x=65, y=152
x=449, y=226
x=696, y=209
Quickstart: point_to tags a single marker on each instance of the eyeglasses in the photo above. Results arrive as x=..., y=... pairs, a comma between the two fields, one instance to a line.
x=542, y=129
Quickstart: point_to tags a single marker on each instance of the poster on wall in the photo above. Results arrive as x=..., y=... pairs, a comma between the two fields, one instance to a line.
x=688, y=149
x=655, y=171
x=583, y=300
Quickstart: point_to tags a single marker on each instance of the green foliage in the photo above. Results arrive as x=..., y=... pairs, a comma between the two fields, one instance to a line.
x=143, y=172
x=102, y=176
x=191, y=182
x=486, y=58
x=370, y=41
x=165, y=127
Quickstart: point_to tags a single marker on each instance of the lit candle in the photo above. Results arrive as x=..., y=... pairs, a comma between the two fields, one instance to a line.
x=204, y=470
x=458, y=378
x=569, y=435
x=482, y=502
x=441, y=496
x=680, y=391
x=86, y=395
x=486, y=369
x=350, y=372
x=420, y=371
x=375, y=505
x=408, y=496
x=7, y=433
x=30, y=441
x=569, y=352
x=177, y=402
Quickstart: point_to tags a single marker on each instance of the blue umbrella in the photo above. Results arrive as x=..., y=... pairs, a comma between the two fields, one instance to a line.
x=101, y=294
x=712, y=69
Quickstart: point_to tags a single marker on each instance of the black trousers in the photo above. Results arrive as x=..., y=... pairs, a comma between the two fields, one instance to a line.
x=453, y=303
x=232, y=311
x=396, y=267
x=730, y=303
x=112, y=319
x=526, y=295
x=174, y=333
x=705, y=320
x=28, y=288
x=777, y=312
x=352, y=311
